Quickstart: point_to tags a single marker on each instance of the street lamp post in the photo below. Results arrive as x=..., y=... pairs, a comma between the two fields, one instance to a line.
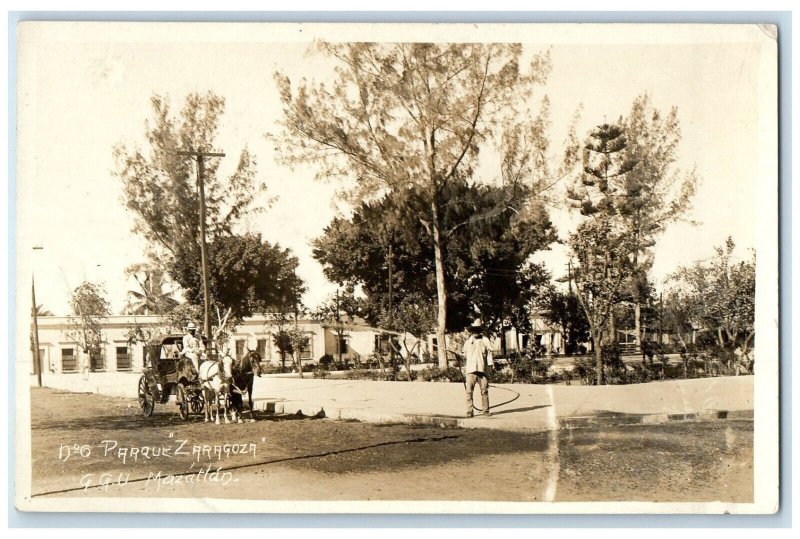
x=37, y=360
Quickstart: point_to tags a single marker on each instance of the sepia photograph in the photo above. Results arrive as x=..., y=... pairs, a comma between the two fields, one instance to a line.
x=396, y=268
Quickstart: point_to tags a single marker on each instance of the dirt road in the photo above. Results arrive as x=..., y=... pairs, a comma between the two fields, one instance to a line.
x=90, y=445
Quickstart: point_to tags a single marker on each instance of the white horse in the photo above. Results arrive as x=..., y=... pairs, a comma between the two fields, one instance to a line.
x=216, y=385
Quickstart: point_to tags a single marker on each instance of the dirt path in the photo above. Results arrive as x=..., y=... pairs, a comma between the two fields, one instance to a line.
x=88, y=440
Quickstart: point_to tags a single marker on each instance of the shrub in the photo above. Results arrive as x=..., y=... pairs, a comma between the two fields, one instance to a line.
x=649, y=349
x=361, y=374
x=405, y=376
x=723, y=355
x=500, y=376
x=435, y=374
x=612, y=357
x=584, y=370
x=639, y=374
x=530, y=366
x=326, y=361
x=453, y=374
x=321, y=372
x=269, y=368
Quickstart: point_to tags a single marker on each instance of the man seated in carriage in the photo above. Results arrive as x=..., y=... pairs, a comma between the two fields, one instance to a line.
x=193, y=347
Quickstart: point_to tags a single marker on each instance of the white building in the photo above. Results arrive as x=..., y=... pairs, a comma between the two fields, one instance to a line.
x=62, y=355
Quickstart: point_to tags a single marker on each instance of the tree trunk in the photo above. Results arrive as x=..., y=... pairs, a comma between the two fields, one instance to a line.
x=612, y=328
x=379, y=357
x=407, y=359
x=746, y=346
x=441, y=290
x=597, y=342
x=637, y=322
x=299, y=363
x=339, y=346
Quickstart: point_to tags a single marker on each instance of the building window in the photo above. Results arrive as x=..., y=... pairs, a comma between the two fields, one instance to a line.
x=382, y=344
x=261, y=348
x=239, y=349
x=305, y=350
x=343, y=345
x=69, y=362
x=98, y=359
x=123, y=358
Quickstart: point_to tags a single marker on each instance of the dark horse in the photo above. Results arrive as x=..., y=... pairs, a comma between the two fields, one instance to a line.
x=244, y=372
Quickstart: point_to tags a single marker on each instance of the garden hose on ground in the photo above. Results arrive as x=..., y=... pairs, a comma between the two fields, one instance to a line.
x=464, y=382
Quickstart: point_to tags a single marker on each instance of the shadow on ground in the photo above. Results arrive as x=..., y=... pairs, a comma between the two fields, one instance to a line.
x=136, y=421
x=517, y=410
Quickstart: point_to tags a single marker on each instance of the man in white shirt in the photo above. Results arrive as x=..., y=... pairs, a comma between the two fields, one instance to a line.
x=477, y=352
x=192, y=346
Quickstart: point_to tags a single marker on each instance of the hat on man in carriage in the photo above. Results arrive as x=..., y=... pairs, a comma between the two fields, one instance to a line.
x=476, y=327
x=191, y=327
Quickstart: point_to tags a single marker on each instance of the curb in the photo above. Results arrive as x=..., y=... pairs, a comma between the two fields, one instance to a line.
x=357, y=414
x=578, y=422
x=572, y=422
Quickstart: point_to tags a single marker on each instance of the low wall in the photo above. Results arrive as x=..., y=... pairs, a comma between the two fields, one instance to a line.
x=114, y=384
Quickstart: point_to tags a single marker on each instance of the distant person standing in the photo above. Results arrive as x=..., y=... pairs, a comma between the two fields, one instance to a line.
x=86, y=359
x=477, y=352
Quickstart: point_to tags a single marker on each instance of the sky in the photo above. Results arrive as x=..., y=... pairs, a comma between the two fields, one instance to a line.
x=85, y=88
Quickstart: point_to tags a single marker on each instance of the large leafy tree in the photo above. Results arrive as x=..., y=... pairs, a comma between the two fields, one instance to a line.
x=247, y=274
x=407, y=116
x=89, y=309
x=719, y=295
x=159, y=186
x=602, y=268
x=486, y=260
x=414, y=316
x=378, y=249
x=655, y=192
x=677, y=315
x=602, y=246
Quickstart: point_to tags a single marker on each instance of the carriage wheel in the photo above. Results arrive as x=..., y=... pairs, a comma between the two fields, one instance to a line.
x=180, y=400
x=196, y=405
x=146, y=400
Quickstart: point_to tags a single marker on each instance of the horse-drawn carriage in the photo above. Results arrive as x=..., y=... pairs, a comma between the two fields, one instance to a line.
x=168, y=372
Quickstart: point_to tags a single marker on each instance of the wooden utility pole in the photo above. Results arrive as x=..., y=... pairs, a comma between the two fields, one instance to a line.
x=200, y=157
x=37, y=365
x=391, y=286
x=391, y=305
x=660, y=323
x=296, y=345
